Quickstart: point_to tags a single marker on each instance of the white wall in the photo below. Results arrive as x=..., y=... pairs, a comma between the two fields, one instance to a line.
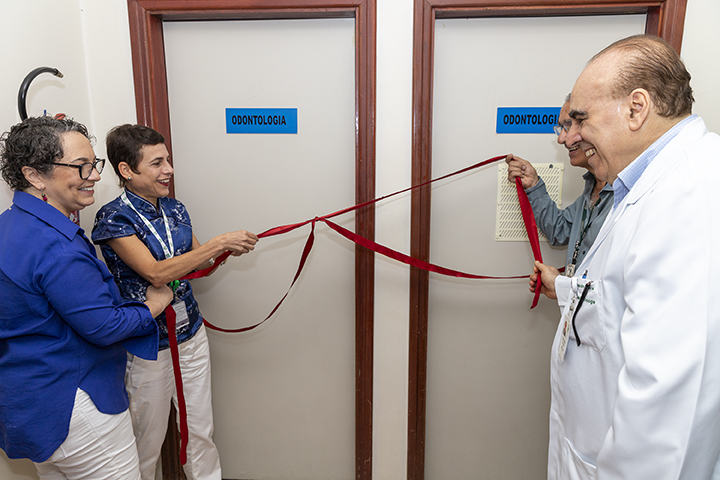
x=475, y=326
x=266, y=375
x=89, y=42
x=701, y=52
x=53, y=39
x=393, y=173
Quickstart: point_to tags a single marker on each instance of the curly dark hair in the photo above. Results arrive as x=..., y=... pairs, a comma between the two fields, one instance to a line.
x=124, y=143
x=35, y=142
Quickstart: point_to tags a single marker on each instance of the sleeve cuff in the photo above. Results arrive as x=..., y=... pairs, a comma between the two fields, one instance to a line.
x=146, y=344
x=564, y=288
x=539, y=187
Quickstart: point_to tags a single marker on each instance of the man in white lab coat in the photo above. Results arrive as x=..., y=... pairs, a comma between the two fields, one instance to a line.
x=635, y=369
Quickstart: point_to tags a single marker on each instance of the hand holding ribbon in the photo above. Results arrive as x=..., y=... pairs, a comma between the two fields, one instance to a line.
x=531, y=229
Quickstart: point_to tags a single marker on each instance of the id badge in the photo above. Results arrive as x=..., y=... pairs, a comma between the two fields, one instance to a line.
x=570, y=270
x=181, y=317
x=567, y=325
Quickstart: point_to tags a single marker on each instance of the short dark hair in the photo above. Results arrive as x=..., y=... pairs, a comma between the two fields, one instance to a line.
x=35, y=142
x=651, y=63
x=124, y=144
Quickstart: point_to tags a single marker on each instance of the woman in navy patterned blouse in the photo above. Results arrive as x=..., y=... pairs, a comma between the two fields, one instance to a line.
x=146, y=239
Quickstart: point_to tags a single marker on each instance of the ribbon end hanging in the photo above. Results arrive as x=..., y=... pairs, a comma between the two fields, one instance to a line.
x=531, y=228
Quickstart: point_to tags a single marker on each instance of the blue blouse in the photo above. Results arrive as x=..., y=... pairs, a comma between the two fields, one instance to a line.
x=62, y=327
x=116, y=220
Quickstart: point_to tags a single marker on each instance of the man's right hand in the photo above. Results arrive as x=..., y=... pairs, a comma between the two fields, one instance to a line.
x=517, y=167
x=548, y=276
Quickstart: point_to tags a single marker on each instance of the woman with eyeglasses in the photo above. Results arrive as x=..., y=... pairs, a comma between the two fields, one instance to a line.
x=64, y=329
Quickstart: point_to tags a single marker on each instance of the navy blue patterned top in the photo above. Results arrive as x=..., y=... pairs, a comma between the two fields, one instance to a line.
x=116, y=220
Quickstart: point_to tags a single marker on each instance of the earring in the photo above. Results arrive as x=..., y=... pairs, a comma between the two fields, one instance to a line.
x=129, y=178
x=44, y=197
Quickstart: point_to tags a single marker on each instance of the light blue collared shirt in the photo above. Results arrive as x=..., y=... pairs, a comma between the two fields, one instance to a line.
x=632, y=173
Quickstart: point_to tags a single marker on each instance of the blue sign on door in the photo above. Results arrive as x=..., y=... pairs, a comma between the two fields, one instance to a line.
x=261, y=120
x=527, y=119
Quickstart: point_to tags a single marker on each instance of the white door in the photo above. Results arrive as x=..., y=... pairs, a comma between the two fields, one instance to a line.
x=283, y=394
x=488, y=391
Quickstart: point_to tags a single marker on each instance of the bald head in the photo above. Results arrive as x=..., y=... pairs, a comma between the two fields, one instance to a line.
x=649, y=62
x=627, y=97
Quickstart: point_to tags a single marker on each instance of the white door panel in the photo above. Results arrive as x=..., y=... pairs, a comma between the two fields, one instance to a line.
x=488, y=376
x=284, y=398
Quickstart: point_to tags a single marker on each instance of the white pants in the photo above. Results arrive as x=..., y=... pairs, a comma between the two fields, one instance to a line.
x=151, y=386
x=98, y=446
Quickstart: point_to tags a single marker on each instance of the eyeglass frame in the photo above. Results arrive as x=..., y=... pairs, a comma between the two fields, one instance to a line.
x=558, y=129
x=98, y=161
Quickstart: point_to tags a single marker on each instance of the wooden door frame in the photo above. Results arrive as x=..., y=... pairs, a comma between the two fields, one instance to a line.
x=151, y=97
x=665, y=18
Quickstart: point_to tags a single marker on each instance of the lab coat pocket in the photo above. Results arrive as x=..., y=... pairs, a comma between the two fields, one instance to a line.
x=575, y=467
x=590, y=321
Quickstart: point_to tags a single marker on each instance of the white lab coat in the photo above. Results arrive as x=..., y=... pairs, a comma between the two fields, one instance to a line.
x=640, y=397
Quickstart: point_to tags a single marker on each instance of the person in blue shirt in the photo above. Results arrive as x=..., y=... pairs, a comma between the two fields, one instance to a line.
x=64, y=329
x=578, y=224
x=147, y=239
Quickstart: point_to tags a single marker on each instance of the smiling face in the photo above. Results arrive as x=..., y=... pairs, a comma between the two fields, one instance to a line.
x=64, y=188
x=572, y=139
x=601, y=120
x=152, y=178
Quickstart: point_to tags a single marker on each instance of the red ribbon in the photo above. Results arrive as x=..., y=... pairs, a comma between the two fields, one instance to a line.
x=527, y=213
x=175, y=355
x=531, y=229
x=530, y=226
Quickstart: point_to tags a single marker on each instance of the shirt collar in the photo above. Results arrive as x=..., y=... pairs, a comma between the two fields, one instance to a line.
x=143, y=205
x=629, y=176
x=46, y=212
x=590, y=181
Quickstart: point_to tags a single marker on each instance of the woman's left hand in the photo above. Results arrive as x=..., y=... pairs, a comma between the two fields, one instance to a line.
x=238, y=242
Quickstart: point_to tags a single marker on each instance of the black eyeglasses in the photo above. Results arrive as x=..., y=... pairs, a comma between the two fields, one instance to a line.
x=85, y=169
x=559, y=128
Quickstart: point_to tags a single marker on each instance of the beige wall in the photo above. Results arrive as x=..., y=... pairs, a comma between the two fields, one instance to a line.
x=89, y=42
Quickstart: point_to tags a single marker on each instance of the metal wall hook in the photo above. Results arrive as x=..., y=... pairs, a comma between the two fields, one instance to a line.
x=22, y=94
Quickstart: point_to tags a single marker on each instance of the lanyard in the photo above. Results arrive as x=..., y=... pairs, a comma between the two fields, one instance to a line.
x=169, y=251
x=583, y=230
